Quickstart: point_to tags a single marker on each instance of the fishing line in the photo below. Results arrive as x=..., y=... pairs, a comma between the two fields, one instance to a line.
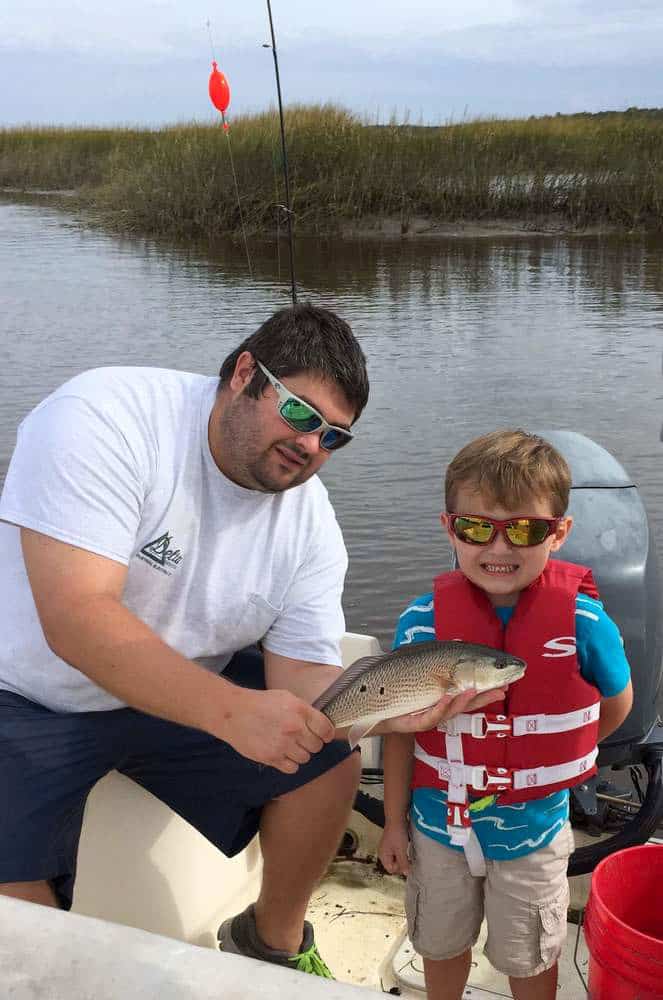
x=211, y=43
x=287, y=207
x=239, y=205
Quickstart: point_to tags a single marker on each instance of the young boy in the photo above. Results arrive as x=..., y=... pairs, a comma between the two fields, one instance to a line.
x=487, y=798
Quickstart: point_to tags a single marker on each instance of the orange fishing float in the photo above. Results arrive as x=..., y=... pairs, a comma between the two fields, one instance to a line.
x=219, y=93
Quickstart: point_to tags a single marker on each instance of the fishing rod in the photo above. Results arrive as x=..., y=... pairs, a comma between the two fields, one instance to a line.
x=286, y=207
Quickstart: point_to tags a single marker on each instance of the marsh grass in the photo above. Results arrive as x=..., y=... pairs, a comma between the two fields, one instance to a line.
x=177, y=181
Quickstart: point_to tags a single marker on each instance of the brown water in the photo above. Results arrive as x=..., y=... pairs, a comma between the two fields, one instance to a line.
x=462, y=336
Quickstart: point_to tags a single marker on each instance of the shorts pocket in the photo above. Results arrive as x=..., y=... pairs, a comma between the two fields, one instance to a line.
x=552, y=926
x=413, y=905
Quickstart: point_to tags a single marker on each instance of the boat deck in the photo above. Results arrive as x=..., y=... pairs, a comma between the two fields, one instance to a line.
x=359, y=919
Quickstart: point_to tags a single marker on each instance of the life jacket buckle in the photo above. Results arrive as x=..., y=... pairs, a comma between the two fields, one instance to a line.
x=484, y=724
x=492, y=779
x=458, y=815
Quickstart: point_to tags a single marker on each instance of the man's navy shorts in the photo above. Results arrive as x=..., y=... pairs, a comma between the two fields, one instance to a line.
x=49, y=762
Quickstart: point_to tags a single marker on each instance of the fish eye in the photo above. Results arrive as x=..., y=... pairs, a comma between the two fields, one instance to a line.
x=381, y=690
x=362, y=688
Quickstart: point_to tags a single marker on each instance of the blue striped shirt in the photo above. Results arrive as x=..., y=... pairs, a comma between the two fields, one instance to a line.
x=512, y=831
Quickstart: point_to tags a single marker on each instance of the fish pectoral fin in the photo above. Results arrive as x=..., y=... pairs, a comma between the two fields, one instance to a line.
x=358, y=731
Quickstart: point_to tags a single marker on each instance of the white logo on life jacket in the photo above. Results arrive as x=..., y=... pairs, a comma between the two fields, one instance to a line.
x=563, y=645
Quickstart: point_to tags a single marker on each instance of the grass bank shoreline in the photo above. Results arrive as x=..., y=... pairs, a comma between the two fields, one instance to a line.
x=378, y=228
x=575, y=174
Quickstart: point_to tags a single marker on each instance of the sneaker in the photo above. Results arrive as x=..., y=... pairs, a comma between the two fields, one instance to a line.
x=238, y=936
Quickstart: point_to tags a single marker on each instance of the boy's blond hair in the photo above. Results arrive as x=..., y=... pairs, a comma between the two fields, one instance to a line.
x=510, y=468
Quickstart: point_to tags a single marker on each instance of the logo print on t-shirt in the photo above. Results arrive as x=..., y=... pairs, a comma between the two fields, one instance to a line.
x=160, y=553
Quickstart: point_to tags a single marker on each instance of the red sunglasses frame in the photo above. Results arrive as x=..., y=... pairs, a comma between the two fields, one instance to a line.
x=552, y=522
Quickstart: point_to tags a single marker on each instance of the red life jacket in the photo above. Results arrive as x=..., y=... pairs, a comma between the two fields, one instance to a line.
x=543, y=736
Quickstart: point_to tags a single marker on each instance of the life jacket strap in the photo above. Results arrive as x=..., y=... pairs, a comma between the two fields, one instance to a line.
x=459, y=820
x=484, y=725
x=481, y=778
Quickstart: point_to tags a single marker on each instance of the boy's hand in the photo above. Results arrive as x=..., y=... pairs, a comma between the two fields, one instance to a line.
x=445, y=708
x=392, y=849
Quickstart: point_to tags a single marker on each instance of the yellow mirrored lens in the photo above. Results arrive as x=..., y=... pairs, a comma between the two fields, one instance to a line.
x=473, y=530
x=527, y=531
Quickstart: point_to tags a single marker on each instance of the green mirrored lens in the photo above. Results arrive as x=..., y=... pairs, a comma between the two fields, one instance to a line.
x=300, y=416
x=527, y=531
x=470, y=529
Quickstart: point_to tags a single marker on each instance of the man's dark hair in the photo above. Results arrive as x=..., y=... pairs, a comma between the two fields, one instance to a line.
x=305, y=338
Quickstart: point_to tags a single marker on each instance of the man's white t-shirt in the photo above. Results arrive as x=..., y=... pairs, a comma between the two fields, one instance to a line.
x=117, y=462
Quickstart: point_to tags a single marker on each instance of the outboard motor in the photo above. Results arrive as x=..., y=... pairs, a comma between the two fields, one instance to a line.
x=611, y=535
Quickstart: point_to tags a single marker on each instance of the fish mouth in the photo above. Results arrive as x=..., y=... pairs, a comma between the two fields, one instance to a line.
x=510, y=672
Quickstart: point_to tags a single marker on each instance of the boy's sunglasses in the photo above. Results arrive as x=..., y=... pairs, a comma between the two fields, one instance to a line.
x=304, y=418
x=522, y=532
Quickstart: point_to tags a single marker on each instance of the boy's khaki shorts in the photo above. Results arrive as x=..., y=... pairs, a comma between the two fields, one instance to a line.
x=524, y=901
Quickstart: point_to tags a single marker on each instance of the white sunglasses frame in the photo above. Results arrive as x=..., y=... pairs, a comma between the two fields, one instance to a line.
x=285, y=394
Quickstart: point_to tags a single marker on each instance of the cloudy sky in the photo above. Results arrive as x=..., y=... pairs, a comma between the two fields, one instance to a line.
x=147, y=61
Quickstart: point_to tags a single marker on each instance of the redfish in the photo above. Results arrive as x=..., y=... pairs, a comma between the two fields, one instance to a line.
x=411, y=679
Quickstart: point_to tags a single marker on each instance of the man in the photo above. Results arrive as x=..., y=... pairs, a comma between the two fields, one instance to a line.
x=157, y=523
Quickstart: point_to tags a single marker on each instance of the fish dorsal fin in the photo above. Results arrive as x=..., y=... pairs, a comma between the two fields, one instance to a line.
x=346, y=678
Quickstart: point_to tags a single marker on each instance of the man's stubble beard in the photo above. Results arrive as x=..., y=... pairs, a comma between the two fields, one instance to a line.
x=245, y=465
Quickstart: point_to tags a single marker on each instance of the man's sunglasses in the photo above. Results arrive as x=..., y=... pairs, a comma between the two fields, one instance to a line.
x=522, y=532
x=304, y=418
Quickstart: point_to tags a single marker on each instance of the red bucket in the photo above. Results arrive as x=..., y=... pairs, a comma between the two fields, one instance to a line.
x=624, y=926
